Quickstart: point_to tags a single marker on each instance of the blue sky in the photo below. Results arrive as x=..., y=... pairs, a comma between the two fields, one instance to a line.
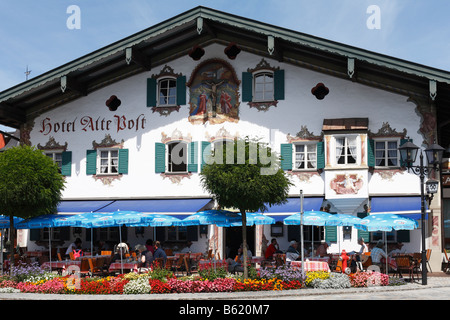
x=35, y=34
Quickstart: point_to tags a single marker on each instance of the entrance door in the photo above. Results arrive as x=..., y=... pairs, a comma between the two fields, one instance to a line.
x=233, y=240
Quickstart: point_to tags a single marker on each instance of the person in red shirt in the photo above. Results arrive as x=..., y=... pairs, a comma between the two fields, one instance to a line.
x=271, y=249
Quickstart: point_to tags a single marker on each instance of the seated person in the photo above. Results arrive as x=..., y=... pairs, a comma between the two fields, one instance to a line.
x=159, y=253
x=377, y=253
x=322, y=250
x=271, y=249
x=120, y=251
x=238, y=263
x=291, y=253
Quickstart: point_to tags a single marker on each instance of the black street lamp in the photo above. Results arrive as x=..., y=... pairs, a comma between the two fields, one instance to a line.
x=408, y=154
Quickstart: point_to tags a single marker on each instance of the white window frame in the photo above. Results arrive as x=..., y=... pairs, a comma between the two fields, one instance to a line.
x=110, y=159
x=386, y=152
x=160, y=83
x=268, y=95
x=169, y=168
x=51, y=154
x=347, y=154
x=108, y=233
x=306, y=154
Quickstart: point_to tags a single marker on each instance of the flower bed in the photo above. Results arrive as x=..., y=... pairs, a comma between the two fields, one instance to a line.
x=207, y=280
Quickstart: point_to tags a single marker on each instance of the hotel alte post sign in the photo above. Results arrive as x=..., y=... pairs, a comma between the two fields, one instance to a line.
x=445, y=180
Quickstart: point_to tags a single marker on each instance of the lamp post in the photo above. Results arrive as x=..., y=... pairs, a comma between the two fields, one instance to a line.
x=408, y=154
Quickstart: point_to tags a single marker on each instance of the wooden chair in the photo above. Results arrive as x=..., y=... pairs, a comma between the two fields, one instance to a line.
x=106, y=253
x=187, y=263
x=428, y=259
x=404, y=263
x=95, y=269
x=209, y=257
x=71, y=256
x=179, y=264
x=168, y=252
x=447, y=262
x=280, y=260
x=169, y=264
x=59, y=256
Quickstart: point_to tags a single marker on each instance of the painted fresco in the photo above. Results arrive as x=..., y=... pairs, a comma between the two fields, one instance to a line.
x=214, y=93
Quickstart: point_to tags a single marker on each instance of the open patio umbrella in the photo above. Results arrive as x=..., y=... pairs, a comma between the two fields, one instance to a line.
x=157, y=220
x=343, y=220
x=40, y=222
x=221, y=218
x=310, y=218
x=254, y=218
x=386, y=222
x=5, y=224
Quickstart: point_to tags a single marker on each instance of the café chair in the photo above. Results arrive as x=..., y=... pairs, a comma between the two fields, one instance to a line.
x=59, y=256
x=72, y=257
x=447, y=262
x=404, y=263
x=179, y=264
x=106, y=253
x=428, y=259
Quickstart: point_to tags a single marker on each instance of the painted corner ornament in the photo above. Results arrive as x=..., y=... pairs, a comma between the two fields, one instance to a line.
x=214, y=93
x=346, y=183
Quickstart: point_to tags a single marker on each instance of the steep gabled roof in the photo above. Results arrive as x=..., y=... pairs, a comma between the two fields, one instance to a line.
x=202, y=26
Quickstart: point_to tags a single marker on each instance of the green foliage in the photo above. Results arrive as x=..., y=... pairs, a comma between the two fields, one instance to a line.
x=245, y=175
x=30, y=184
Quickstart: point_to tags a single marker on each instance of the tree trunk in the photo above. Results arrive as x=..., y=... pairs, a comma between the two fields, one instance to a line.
x=12, y=236
x=244, y=242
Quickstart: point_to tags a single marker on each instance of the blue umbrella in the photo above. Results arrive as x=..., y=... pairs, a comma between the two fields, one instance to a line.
x=39, y=222
x=221, y=218
x=254, y=218
x=310, y=218
x=346, y=220
x=5, y=223
x=158, y=220
x=386, y=222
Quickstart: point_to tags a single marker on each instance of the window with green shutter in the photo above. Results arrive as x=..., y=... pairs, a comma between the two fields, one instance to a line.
x=66, y=163
x=160, y=157
x=286, y=156
x=107, y=161
x=263, y=85
x=193, y=157
x=166, y=90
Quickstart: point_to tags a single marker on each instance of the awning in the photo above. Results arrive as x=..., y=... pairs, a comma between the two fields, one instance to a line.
x=179, y=208
x=408, y=206
x=81, y=206
x=279, y=212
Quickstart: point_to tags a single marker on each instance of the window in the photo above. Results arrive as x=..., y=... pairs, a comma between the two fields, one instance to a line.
x=56, y=156
x=109, y=161
x=346, y=150
x=386, y=153
x=176, y=233
x=305, y=156
x=109, y=234
x=263, y=86
x=177, y=157
x=167, y=91
x=55, y=233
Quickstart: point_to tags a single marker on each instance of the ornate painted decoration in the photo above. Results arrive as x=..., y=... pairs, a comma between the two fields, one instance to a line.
x=263, y=105
x=214, y=93
x=52, y=145
x=348, y=183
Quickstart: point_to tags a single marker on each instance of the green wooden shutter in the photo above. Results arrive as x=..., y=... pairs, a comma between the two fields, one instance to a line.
x=278, y=79
x=160, y=157
x=331, y=232
x=206, y=152
x=403, y=236
x=371, y=153
x=293, y=233
x=361, y=233
x=181, y=90
x=192, y=233
x=320, y=155
x=151, y=92
x=66, y=167
x=247, y=87
x=193, y=157
x=91, y=162
x=286, y=156
x=35, y=234
x=123, y=161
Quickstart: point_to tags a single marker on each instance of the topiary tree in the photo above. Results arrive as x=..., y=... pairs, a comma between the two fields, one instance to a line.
x=30, y=185
x=246, y=175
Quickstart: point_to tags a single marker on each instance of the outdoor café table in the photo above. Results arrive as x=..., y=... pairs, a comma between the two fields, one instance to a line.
x=257, y=259
x=311, y=265
x=126, y=265
x=36, y=253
